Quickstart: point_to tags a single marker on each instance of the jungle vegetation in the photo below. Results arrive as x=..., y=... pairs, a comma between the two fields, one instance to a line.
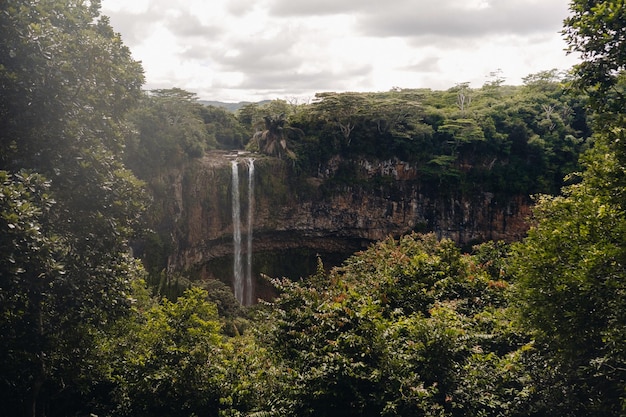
x=409, y=327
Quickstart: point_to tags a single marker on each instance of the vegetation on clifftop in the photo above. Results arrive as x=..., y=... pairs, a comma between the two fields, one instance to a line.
x=504, y=139
x=508, y=139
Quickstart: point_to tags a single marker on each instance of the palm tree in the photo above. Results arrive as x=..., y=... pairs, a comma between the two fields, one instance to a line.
x=274, y=139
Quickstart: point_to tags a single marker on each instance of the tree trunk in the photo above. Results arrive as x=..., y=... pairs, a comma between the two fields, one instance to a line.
x=38, y=407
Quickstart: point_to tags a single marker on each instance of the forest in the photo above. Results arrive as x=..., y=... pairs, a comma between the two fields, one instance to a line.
x=411, y=326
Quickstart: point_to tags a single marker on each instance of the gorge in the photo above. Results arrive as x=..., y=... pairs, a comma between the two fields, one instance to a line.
x=273, y=187
x=292, y=219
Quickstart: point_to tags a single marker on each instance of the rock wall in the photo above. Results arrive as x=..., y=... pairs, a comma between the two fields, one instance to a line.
x=323, y=214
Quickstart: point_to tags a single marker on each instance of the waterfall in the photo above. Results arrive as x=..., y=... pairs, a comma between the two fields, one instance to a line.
x=249, y=289
x=242, y=283
x=238, y=279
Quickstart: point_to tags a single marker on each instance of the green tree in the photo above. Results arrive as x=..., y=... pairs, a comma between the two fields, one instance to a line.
x=393, y=332
x=169, y=129
x=169, y=359
x=31, y=265
x=571, y=266
x=62, y=68
x=66, y=81
x=224, y=128
x=275, y=138
x=342, y=110
x=570, y=289
x=249, y=115
x=461, y=131
x=594, y=30
x=251, y=379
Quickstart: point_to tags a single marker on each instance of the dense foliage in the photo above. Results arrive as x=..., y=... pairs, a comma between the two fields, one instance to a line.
x=571, y=272
x=395, y=331
x=516, y=140
x=68, y=205
x=507, y=139
x=409, y=327
x=504, y=139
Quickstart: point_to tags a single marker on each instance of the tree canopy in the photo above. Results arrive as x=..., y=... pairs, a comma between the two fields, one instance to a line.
x=69, y=205
x=571, y=266
x=410, y=326
x=594, y=30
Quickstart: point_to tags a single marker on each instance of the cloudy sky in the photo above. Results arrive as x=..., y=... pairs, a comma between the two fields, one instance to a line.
x=234, y=50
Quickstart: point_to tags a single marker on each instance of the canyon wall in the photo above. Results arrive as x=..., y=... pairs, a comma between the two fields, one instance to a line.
x=326, y=214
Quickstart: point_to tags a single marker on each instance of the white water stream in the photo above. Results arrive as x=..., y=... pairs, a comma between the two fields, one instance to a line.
x=242, y=284
x=238, y=284
x=249, y=289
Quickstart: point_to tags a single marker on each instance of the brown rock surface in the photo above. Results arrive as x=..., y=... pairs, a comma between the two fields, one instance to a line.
x=291, y=212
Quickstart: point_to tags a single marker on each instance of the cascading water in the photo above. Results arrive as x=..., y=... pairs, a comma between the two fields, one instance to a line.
x=249, y=289
x=238, y=280
x=242, y=283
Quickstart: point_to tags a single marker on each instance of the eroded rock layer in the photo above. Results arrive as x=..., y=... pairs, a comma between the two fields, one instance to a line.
x=329, y=213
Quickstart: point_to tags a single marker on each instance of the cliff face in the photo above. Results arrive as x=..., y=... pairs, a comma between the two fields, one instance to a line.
x=320, y=215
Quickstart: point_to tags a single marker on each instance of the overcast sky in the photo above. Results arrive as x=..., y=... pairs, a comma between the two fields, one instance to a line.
x=234, y=50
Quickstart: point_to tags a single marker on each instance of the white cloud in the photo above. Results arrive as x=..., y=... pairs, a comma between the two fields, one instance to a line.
x=454, y=20
x=230, y=50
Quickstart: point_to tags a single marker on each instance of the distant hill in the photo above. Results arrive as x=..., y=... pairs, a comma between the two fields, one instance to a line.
x=233, y=107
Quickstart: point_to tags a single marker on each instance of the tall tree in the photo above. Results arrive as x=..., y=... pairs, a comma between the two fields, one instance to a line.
x=275, y=137
x=168, y=359
x=168, y=129
x=595, y=30
x=571, y=289
x=342, y=109
x=66, y=81
x=572, y=279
